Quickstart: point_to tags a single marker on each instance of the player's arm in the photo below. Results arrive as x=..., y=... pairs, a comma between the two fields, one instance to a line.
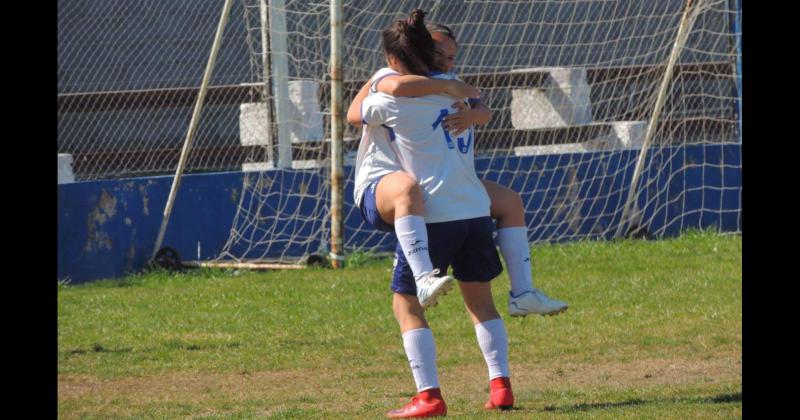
x=411, y=85
x=466, y=116
x=354, y=112
x=482, y=114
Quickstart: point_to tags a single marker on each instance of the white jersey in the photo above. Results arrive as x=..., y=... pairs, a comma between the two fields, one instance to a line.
x=443, y=165
x=376, y=156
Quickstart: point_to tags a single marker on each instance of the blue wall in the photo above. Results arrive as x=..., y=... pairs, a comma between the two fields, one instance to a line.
x=108, y=228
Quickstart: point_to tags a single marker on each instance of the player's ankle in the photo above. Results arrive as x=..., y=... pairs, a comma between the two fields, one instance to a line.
x=431, y=393
x=500, y=382
x=520, y=293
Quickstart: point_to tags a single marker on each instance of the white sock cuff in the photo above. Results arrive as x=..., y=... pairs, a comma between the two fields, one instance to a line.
x=511, y=233
x=412, y=234
x=490, y=326
x=417, y=332
x=409, y=219
x=516, y=252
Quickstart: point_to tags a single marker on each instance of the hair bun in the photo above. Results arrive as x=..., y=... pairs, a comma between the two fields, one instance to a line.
x=416, y=19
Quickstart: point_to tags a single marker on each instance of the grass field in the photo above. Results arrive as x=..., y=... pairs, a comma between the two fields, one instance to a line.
x=654, y=330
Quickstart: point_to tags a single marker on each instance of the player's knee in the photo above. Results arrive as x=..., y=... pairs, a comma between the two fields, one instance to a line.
x=508, y=210
x=515, y=201
x=508, y=204
x=408, y=186
x=409, y=193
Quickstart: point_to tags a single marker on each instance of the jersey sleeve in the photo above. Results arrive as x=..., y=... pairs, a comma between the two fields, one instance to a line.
x=377, y=109
x=380, y=74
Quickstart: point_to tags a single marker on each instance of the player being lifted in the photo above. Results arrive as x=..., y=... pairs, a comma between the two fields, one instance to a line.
x=456, y=211
x=398, y=187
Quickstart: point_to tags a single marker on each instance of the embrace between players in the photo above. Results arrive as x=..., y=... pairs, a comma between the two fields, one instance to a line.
x=415, y=176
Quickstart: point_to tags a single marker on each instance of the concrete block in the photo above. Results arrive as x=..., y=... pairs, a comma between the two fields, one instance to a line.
x=65, y=174
x=305, y=122
x=628, y=134
x=306, y=116
x=255, y=128
x=621, y=135
x=563, y=100
x=296, y=164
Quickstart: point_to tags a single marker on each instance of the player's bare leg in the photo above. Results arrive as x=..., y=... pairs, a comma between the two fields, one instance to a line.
x=399, y=201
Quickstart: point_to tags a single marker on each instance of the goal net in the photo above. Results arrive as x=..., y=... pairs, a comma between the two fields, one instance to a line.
x=610, y=117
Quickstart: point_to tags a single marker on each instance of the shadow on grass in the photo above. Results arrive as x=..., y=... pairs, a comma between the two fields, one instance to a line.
x=189, y=346
x=594, y=406
x=724, y=398
x=171, y=345
x=717, y=399
x=99, y=348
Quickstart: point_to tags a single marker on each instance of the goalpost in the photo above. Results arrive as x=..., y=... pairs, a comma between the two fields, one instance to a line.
x=187, y=145
x=610, y=117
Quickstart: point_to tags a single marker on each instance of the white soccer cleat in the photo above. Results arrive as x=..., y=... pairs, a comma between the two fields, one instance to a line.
x=430, y=287
x=534, y=302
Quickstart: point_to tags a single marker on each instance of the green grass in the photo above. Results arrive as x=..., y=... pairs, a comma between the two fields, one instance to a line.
x=653, y=331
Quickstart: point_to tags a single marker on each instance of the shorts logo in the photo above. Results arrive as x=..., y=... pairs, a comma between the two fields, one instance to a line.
x=416, y=242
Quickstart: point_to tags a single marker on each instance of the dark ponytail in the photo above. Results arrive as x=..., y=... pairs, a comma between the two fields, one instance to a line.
x=411, y=43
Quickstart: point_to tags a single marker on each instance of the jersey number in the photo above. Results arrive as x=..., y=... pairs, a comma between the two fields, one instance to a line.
x=463, y=144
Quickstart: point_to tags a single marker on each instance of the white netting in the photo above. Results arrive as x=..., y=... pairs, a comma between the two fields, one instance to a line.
x=572, y=85
x=128, y=77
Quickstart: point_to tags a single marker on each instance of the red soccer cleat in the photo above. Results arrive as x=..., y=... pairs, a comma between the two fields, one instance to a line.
x=428, y=403
x=500, y=395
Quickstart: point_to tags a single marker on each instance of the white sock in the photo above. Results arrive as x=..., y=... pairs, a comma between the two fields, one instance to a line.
x=513, y=243
x=421, y=353
x=413, y=237
x=493, y=340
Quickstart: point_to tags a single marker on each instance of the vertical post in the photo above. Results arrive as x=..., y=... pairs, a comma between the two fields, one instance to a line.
x=280, y=79
x=198, y=107
x=337, y=135
x=680, y=39
x=737, y=35
x=267, y=67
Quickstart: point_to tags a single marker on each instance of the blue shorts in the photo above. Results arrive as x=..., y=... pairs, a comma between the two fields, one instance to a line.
x=369, y=208
x=467, y=245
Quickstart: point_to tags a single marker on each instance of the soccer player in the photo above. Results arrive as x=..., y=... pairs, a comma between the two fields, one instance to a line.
x=506, y=204
x=392, y=200
x=457, y=215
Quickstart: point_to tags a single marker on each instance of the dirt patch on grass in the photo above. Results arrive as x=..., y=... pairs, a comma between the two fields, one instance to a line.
x=185, y=386
x=633, y=374
x=337, y=390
